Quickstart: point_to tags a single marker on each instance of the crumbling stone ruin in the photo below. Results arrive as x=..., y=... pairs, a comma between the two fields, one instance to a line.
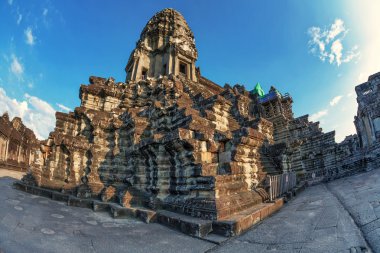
x=367, y=120
x=169, y=138
x=18, y=144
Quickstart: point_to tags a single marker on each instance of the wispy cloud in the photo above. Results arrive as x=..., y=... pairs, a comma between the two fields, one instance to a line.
x=45, y=12
x=30, y=38
x=36, y=113
x=19, y=18
x=64, y=108
x=16, y=67
x=328, y=43
x=335, y=100
x=318, y=115
x=10, y=2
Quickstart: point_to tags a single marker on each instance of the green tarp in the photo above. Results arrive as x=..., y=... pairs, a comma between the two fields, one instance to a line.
x=258, y=90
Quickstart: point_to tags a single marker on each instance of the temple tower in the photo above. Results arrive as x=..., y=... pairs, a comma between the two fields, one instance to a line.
x=166, y=46
x=277, y=108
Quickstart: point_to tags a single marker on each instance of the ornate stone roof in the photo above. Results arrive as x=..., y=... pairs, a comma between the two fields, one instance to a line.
x=172, y=26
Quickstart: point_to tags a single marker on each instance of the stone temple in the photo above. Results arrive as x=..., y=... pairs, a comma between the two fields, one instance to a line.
x=17, y=144
x=170, y=139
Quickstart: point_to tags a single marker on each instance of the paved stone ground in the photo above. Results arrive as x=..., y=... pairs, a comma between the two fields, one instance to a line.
x=360, y=195
x=30, y=223
x=316, y=220
x=11, y=173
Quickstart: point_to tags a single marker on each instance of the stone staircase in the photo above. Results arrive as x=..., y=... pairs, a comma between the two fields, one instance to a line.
x=215, y=231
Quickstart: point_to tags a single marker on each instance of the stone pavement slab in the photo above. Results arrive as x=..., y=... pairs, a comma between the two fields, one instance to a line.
x=314, y=221
x=360, y=195
x=11, y=173
x=30, y=223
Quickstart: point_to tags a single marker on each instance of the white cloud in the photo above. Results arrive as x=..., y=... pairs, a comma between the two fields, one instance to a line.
x=352, y=54
x=40, y=105
x=45, y=12
x=30, y=39
x=19, y=18
x=16, y=67
x=10, y=2
x=64, y=108
x=336, y=29
x=336, y=52
x=318, y=115
x=335, y=100
x=36, y=114
x=327, y=43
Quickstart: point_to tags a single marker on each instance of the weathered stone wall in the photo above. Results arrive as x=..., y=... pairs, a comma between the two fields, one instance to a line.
x=165, y=143
x=367, y=120
x=18, y=144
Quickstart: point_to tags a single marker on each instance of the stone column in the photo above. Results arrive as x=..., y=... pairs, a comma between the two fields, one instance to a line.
x=134, y=68
x=169, y=67
x=6, y=149
x=157, y=66
x=2, y=147
x=19, y=149
x=176, y=65
x=193, y=75
x=367, y=130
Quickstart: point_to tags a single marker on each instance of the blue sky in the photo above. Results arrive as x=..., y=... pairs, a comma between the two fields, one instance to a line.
x=318, y=51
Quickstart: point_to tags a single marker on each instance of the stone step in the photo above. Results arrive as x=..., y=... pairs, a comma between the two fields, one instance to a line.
x=216, y=231
x=143, y=214
x=242, y=221
x=230, y=204
x=186, y=224
x=115, y=209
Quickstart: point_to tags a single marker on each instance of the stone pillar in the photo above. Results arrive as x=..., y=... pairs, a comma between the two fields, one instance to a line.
x=134, y=69
x=193, y=74
x=157, y=66
x=6, y=149
x=372, y=126
x=19, y=149
x=175, y=65
x=2, y=147
x=170, y=67
x=367, y=130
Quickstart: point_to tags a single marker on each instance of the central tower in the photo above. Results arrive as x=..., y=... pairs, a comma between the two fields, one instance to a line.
x=166, y=46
